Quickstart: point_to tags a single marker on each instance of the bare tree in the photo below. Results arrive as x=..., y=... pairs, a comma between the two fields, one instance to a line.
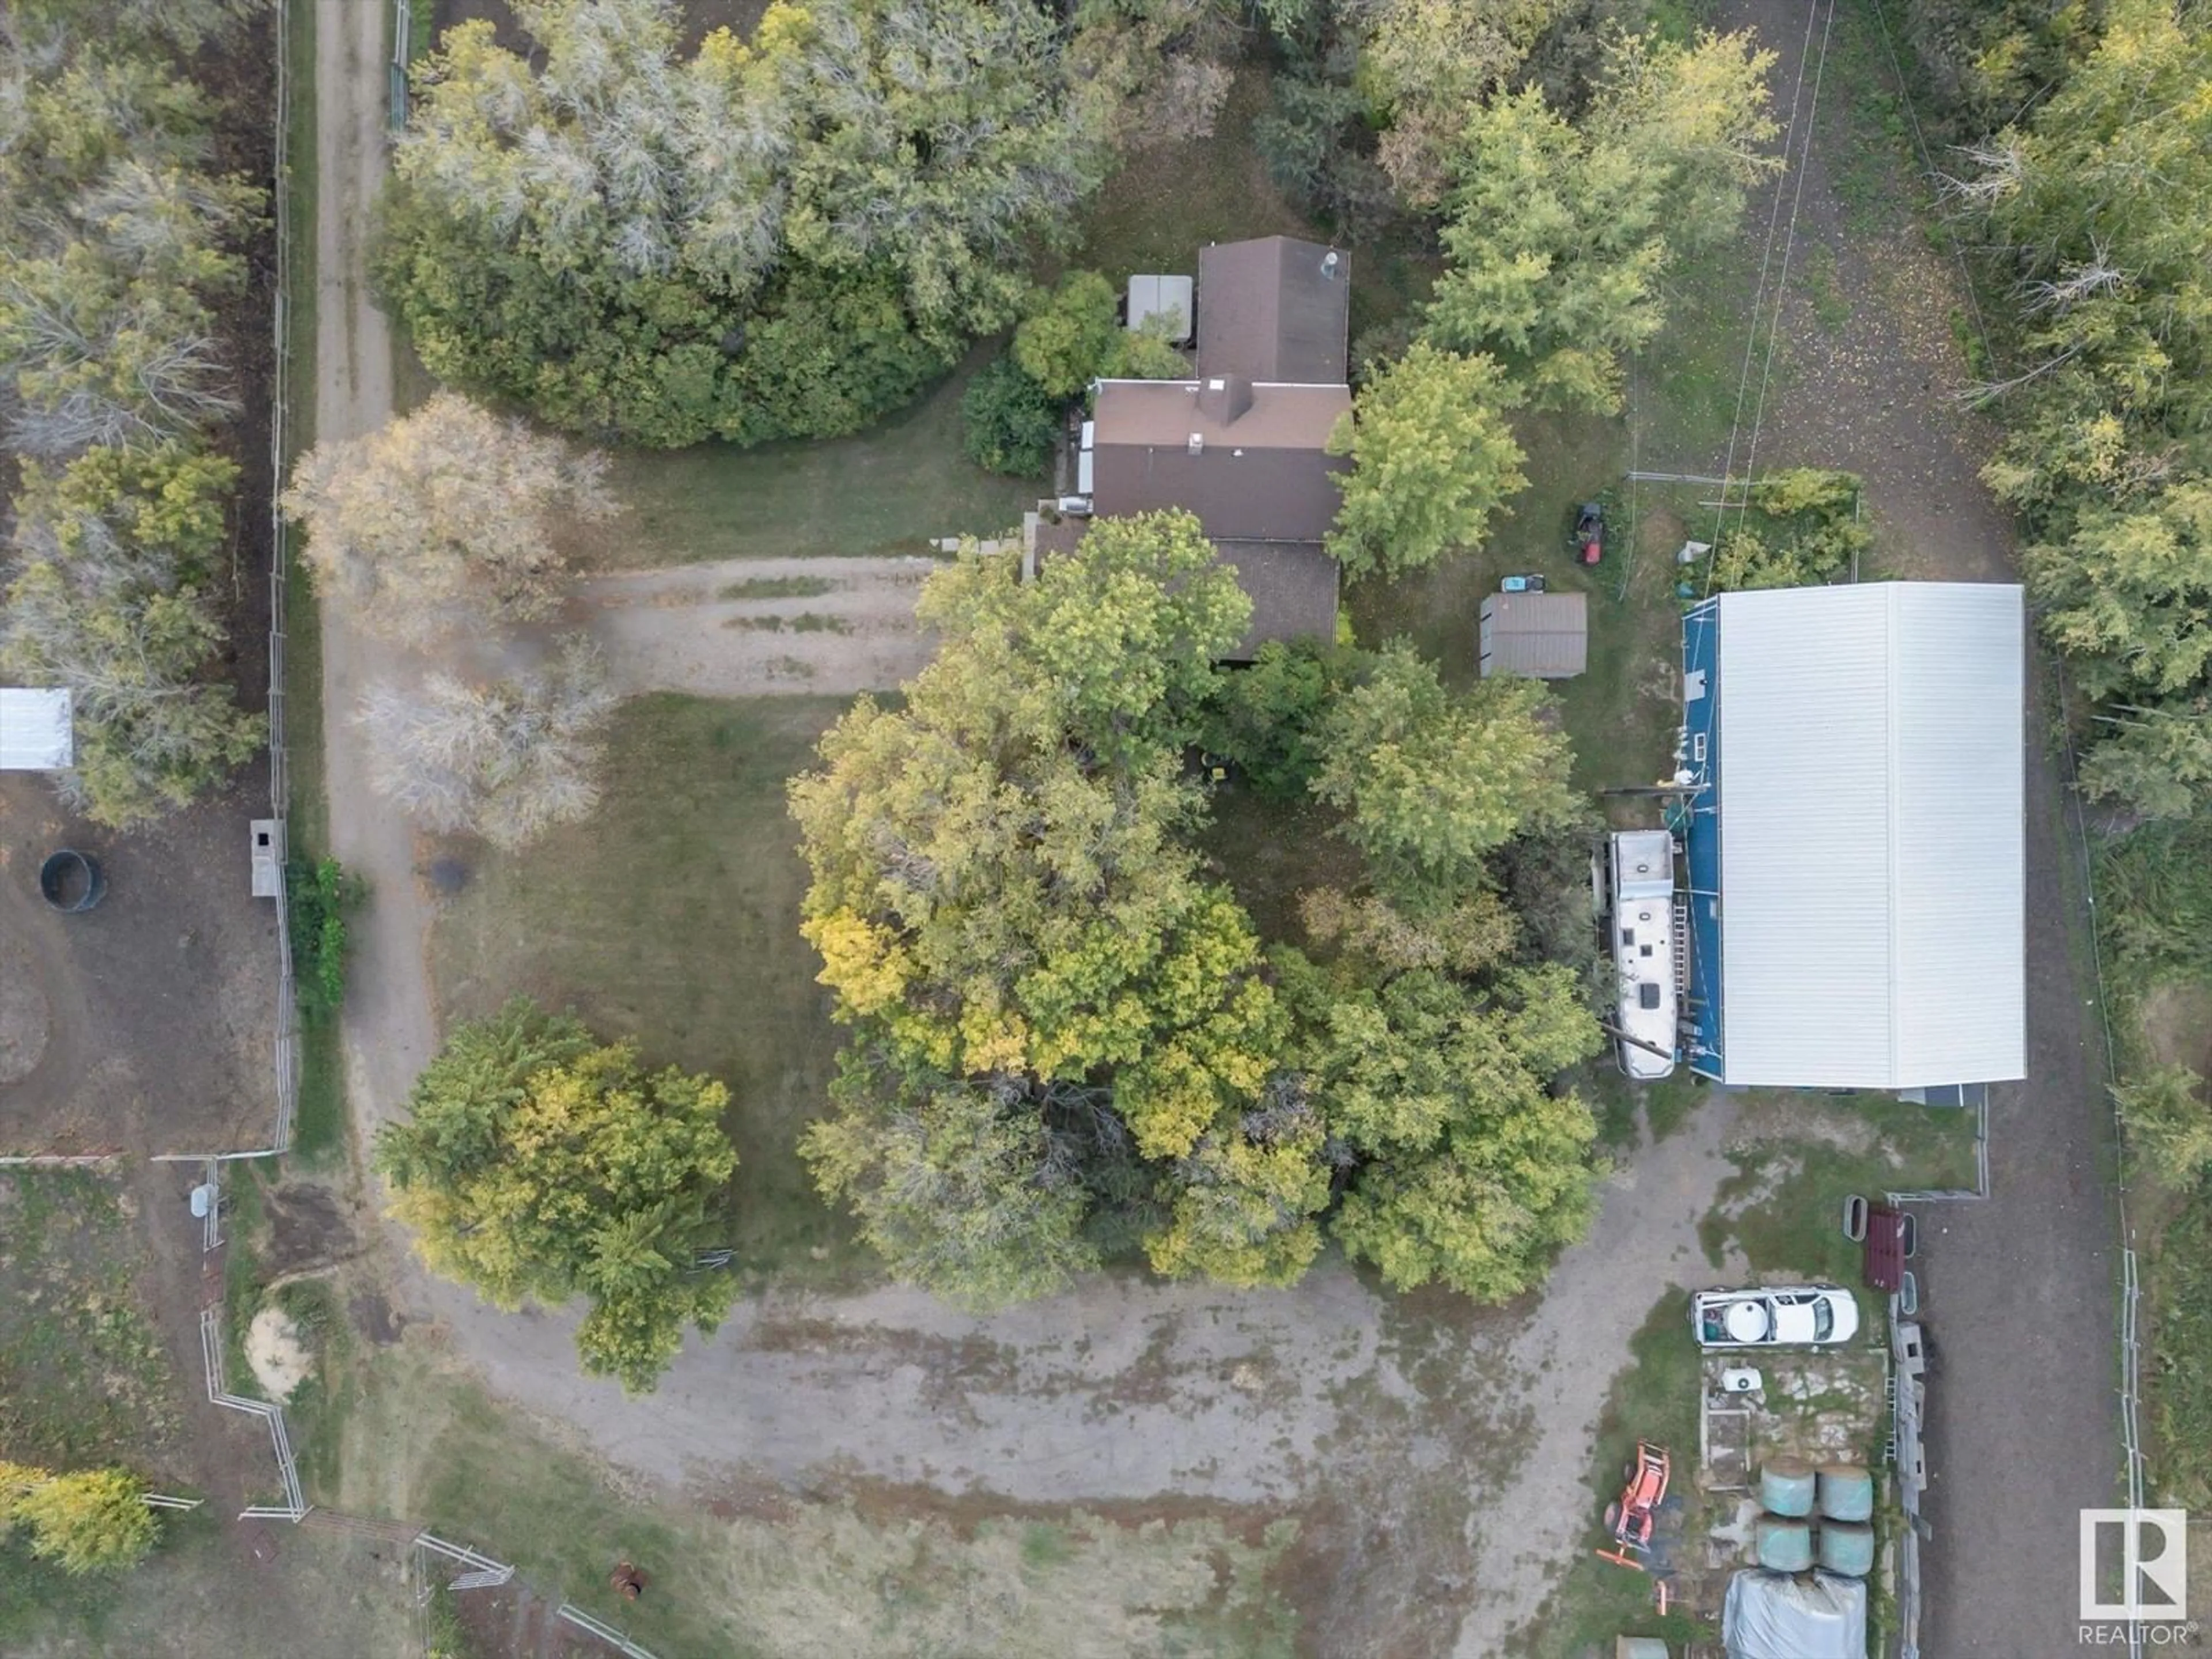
x=447, y=517
x=505, y=761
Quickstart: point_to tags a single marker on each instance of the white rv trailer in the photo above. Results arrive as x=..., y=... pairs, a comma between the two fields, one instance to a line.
x=1642, y=927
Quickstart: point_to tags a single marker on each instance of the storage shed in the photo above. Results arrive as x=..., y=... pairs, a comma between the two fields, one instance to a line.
x=1162, y=297
x=1855, y=836
x=1544, y=636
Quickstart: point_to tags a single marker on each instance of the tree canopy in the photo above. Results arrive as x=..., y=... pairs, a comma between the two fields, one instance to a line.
x=537, y=1164
x=2100, y=208
x=1555, y=236
x=118, y=241
x=448, y=517
x=1433, y=781
x=1067, y=1038
x=1432, y=457
x=87, y=1521
x=783, y=237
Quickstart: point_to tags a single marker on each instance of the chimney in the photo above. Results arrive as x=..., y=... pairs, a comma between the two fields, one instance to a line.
x=1224, y=398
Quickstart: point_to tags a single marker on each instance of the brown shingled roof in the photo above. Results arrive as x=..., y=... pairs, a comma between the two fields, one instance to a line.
x=1263, y=476
x=1273, y=309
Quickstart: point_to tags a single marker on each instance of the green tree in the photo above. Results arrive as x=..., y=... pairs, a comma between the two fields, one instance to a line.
x=1432, y=781
x=1121, y=638
x=1265, y=717
x=1008, y=906
x=1432, y=457
x=956, y=1183
x=108, y=599
x=1008, y=422
x=2169, y=1122
x=1071, y=335
x=537, y=1165
x=785, y=236
x=1555, y=238
x=89, y=1521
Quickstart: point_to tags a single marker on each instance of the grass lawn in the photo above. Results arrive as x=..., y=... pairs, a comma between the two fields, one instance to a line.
x=1783, y=1206
x=890, y=489
x=671, y=917
x=84, y=1378
x=328, y=1597
x=767, y=1572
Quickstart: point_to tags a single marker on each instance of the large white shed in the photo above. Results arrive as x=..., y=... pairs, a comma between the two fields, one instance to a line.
x=1856, y=843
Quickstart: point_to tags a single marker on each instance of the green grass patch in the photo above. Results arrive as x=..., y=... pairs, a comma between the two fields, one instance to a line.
x=776, y=587
x=1783, y=1207
x=316, y=1413
x=243, y=1221
x=1655, y=1399
x=2181, y=1377
x=671, y=917
x=84, y=1377
x=805, y=622
x=889, y=490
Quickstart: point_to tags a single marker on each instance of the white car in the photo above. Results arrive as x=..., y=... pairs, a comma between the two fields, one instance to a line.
x=1775, y=1315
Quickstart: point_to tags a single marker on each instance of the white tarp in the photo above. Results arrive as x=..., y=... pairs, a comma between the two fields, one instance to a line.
x=34, y=731
x=1773, y=1615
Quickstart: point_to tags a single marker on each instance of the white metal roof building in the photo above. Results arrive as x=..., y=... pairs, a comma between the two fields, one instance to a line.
x=35, y=733
x=1855, y=845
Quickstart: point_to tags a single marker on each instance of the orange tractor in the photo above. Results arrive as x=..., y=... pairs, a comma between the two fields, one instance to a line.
x=1631, y=1517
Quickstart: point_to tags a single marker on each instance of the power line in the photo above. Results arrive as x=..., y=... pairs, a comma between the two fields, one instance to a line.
x=1759, y=290
x=1789, y=244
x=1791, y=144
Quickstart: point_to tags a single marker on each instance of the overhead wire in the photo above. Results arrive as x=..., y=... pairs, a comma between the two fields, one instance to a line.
x=1796, y=149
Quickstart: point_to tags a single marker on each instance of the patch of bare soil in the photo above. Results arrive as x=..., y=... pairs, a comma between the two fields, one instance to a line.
x=307, y=1229
x=692, y=628
x=2176, y=1025
x=143, y=1025
x=279, y=1360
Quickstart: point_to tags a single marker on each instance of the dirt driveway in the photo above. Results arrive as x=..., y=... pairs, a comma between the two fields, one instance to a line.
x=2021, y=1290
x=742, y=627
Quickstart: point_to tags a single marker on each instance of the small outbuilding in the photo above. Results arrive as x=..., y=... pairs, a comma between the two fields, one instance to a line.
x=1163, y=297
x=1543, y=637
x=35, y=730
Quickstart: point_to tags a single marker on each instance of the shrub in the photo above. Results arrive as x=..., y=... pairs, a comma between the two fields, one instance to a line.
x=318, y=898
x=1010, y=421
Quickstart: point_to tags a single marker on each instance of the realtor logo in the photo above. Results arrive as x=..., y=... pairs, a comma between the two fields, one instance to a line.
x=2150, y=1548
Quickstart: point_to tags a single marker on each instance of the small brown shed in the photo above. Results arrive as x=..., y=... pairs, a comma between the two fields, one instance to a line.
x=1543, y=636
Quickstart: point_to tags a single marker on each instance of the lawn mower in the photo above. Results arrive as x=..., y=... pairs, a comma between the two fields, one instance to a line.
x=1630, y=1518
x=1589, y=533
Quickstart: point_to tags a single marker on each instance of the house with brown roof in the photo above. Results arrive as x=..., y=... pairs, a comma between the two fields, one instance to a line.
x=1244, y=445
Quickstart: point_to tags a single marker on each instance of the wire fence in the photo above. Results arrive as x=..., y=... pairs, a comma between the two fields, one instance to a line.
x=606, y=1632
x=286, y=1055
x=402, y=35
x=294, y=1505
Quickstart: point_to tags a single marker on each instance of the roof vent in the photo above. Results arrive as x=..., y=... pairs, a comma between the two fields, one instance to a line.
x=1197, y=443
x=1329, y=264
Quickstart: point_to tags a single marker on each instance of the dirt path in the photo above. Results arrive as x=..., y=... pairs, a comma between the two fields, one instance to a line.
x=1560, y=1367
x=389, y=1032
x=747, y=628
x=2019, y=1291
